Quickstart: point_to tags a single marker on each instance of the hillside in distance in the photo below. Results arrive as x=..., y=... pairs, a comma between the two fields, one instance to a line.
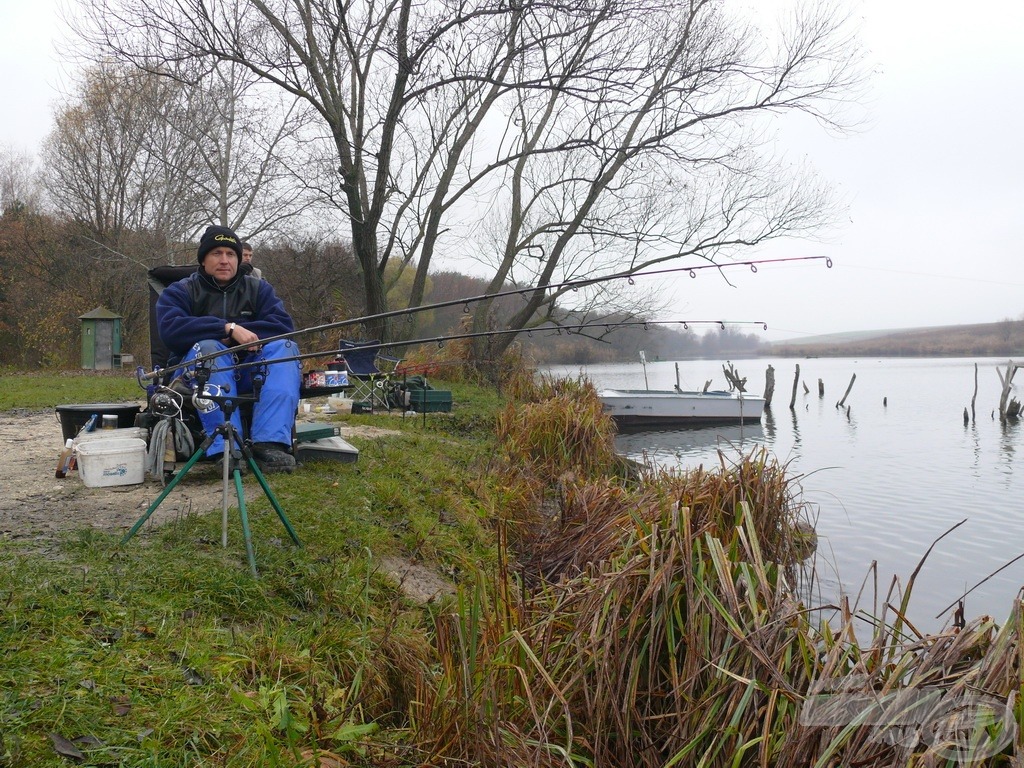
x=1002, y=339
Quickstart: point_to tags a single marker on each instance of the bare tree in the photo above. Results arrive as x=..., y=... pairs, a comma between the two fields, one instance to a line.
x=597, y=137
x=20, y=189
x=248, y=141
x=112, y=166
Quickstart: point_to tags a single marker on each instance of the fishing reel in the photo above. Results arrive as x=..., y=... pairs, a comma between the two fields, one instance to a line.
x=170, y=399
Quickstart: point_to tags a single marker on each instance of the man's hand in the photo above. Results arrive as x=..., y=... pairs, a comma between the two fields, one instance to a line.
x=240, y=334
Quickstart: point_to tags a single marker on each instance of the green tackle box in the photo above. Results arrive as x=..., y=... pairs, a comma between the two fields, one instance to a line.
x=430, y=400
x=308, y=432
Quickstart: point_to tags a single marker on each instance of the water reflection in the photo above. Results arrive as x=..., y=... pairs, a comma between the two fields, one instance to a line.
x=796, y=428
x=768, y=418
x=1008, y=432
x=689, y=443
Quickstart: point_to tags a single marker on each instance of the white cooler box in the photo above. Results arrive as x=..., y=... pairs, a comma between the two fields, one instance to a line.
x=112, y=462
x=113, y=434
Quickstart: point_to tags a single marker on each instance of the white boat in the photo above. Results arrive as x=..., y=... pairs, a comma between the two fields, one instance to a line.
x=679, y=407
x=651, y=407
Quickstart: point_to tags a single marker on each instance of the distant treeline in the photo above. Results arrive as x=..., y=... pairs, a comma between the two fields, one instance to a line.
x=1002, y=339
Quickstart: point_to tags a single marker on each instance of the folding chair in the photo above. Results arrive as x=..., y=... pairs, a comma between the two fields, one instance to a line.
x=158, y=279
x=369, y=371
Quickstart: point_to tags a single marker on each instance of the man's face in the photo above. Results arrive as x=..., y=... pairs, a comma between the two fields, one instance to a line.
x=247, y=255
x=221, y=264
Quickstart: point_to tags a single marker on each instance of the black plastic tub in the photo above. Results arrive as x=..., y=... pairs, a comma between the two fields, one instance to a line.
x=74, y=417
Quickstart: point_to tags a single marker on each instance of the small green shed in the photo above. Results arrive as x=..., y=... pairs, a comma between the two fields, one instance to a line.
x=101, y=339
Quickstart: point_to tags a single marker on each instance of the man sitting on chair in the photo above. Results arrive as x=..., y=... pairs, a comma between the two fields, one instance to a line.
x=217, y=308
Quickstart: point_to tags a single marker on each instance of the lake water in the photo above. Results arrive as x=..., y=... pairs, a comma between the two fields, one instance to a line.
x=884, y=479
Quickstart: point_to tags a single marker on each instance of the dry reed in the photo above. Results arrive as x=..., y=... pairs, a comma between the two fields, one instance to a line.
x=657, y=624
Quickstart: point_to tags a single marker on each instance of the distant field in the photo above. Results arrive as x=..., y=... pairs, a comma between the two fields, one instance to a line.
x=983, y=340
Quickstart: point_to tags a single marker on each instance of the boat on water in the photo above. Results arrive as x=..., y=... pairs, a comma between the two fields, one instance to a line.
x=653, y=407
x=640, y=408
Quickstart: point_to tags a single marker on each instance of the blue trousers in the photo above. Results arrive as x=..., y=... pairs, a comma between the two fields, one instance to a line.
x=273, y=416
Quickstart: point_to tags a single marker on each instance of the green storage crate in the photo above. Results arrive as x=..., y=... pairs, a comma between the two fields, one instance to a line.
x=430, y=400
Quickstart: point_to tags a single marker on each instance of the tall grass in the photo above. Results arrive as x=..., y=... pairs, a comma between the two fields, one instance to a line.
x=657, y=624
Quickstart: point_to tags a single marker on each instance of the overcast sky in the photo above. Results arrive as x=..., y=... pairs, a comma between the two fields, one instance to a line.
x=934, y=180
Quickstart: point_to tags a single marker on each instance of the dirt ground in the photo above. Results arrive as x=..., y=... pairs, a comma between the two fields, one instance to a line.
x=36, y=507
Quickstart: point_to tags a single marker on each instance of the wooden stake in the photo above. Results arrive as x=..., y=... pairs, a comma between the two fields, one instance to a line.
x=769, y=386
x=842, y=402
x=975, y=397
x=1006, y=381
x=796, y=381
x=821, y=388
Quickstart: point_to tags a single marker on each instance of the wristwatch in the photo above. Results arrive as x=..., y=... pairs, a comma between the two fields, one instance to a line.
x=231, y=329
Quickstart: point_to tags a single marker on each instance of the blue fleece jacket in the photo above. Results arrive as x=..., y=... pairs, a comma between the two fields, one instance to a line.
x=196, y=309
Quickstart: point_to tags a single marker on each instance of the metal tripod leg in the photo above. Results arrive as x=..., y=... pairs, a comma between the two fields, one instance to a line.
x=247, y=454
x=234, y=451
x=200, y=452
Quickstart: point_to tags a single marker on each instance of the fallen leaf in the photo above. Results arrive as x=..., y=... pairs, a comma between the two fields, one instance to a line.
x=66, y=748
x=324, y=759
x=122, y=705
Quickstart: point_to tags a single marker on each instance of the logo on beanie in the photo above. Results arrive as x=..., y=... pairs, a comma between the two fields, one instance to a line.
x=226, y=238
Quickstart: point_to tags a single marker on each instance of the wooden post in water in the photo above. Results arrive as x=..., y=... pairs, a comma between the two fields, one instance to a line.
x=821, y=388
x=733, y=377
x=769, y=386
x=975, y=396
x=842, y=402
x=796, y=381
x=1006, y=381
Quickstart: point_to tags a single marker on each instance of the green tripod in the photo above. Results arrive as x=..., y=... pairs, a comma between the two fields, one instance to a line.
x=235, y=450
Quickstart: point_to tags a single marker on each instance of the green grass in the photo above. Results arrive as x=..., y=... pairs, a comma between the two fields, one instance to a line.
x=165, y=652
x=34, y=391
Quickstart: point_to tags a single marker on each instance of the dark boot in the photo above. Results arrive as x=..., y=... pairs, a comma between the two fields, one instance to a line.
x=273, y=457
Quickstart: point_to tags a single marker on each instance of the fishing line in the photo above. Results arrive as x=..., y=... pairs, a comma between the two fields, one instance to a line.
x=630, y=276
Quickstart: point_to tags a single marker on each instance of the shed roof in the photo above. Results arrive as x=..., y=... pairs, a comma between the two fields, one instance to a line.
x=100, y=313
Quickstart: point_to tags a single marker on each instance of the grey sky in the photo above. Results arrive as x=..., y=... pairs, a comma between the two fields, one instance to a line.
x=934, y=180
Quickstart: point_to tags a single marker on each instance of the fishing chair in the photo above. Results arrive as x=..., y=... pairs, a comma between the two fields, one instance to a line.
x=369, y=371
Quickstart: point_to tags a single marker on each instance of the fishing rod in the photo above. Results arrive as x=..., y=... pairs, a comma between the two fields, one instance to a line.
x=573, y=284
x=577, y=329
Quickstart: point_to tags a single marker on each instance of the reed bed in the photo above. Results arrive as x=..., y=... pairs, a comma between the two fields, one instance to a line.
x=656, y=623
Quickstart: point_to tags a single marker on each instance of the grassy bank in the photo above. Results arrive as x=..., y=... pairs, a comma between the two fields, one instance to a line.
x=599, y=615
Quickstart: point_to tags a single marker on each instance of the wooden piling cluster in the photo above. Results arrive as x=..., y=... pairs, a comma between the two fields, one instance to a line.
x=1009, y=407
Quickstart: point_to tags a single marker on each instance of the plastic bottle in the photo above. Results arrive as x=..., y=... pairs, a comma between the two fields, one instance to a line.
x=64, y=462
